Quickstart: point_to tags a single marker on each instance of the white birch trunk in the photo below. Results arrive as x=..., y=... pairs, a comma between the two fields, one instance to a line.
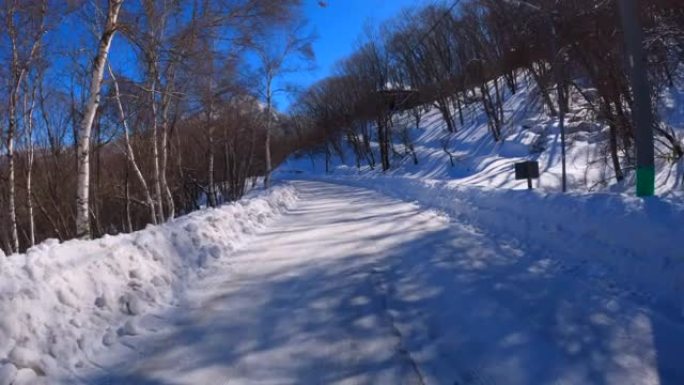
x=127, y=203
x=166, y=102
x=83, y=187
x=130, y=155
x=14, y=236
x=211, y=192
x=29, y=167
x=18, y=71
x=155, y=155
x=170, y=205
x=17, y=75
x=212, y=189
x=269, y=112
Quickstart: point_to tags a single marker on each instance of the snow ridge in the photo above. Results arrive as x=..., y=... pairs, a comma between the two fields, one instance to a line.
x=62, y=303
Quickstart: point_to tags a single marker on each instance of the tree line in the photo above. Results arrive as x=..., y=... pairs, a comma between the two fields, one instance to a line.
x=470, y=53
x=120, y=113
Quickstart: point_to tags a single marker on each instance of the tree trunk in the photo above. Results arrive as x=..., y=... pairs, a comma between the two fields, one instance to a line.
x=543, y=91
x=130, y=155
x=29, y=169
x=370, y=155
x=18, y=70
x=155, y=155
x=511, y=81
x=127, y=202
x=181, y=175
x=211, y=193
x=460, y=110
x=614, y=153
x=11, y=179
x=384, y=143
x=212, y=190
x=170, y=204
x=443, y=107
x=612, y=139
x=269, y=109
x=83, y=187
x=490, y=111
x=499, y=102
x=327, y=157
x=267, y=174
x=29, y=199
x=166, y=102
x=249, y=162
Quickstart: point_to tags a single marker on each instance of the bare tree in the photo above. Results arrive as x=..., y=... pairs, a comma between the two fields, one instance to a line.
x=22, y=53
x=278, y=58
x=29, y=108
x=83, y=190
x=128, y=149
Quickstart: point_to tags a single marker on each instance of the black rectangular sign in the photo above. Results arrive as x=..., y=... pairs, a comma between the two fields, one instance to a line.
x=527, y=170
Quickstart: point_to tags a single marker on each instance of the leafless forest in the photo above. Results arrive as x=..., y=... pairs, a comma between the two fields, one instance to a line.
x=116, y=114
x=466, y=53
x=154, y=108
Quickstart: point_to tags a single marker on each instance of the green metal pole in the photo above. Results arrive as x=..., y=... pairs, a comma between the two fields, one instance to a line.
x=642, y=114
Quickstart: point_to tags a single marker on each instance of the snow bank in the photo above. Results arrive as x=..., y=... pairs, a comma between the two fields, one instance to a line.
x=623, y=242
x=61, y=303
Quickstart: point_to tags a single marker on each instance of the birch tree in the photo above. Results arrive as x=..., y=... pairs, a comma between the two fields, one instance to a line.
x=29, y=108
x=22, y=53
x=97, y=74
x=64, y=143
x=128, y=149
x=276, y=59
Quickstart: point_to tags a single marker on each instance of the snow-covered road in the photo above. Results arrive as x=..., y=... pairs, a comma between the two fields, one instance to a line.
x=353, y=287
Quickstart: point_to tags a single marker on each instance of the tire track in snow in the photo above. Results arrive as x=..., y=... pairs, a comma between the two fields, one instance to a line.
x=381, y=290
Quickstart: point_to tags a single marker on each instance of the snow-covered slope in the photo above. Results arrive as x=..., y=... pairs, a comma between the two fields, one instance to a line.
x=529, y=133
x=62, y=303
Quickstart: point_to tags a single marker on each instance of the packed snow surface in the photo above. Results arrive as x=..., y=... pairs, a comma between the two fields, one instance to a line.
x=352, y=286
x=363, y=280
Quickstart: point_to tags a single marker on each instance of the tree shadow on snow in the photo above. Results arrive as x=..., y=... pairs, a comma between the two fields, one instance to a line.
x=460, y=306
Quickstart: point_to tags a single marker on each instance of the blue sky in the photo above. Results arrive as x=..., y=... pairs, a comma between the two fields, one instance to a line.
x=339, y=25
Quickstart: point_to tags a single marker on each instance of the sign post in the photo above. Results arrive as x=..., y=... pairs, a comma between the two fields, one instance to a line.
x=527, y=170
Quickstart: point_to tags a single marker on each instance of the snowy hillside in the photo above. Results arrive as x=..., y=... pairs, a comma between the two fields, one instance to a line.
x=474, y=180
x=534, y=287
x=479, y=188
x=289, y=192
x=529, y=134
x=63, y=303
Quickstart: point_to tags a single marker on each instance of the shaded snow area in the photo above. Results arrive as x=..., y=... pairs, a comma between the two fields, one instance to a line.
x=352, y=286
x=61, y=305
x=528, y=133
x=630, y=245
x=361, y=280
x=443, y=272
x=530, y=287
